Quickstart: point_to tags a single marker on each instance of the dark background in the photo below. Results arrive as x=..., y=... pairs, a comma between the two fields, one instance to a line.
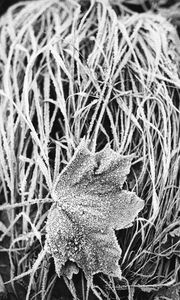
x=4, y=4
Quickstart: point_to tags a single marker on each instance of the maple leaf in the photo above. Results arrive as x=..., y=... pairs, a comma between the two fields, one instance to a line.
x=89, y=205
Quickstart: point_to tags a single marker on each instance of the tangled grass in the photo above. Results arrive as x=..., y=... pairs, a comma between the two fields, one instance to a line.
x=98, y=70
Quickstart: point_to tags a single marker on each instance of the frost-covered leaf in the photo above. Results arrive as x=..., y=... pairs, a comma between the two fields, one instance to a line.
x=70, y=269
x=89, y=205
x=175, y=232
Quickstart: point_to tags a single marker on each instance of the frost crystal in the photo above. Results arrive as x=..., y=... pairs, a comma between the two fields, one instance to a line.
x=89, y=205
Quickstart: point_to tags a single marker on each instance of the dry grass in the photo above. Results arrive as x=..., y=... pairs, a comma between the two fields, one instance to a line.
x=112, y=76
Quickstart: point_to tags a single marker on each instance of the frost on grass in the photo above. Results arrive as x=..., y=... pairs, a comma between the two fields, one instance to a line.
x=89, y=204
